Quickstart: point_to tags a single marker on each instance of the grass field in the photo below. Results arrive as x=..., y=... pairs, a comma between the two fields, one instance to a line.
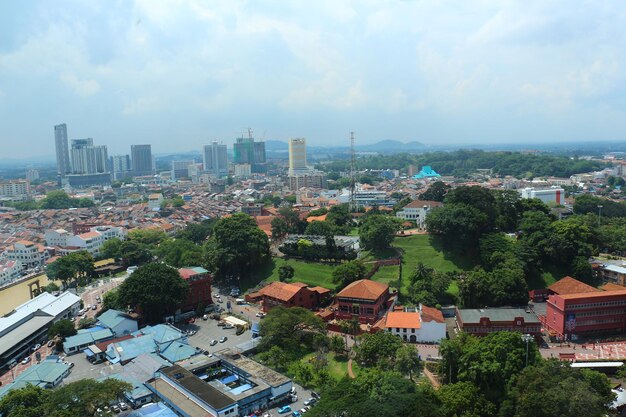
x=429, y=250
x=310, y=273
x=337, y=365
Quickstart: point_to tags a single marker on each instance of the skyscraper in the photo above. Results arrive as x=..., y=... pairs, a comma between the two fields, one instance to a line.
x=141, y=159
x=180, y=169
x=247, y=151
x=62, y=150
x=297, y=156
x=121, y=166
x=87, y=158
x=215, y=159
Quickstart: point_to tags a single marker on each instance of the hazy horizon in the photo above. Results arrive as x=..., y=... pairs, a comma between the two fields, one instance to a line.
x=179, y=74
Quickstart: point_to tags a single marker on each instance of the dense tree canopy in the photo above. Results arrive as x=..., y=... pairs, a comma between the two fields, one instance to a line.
x=80, y=398
x=180, y=252
x=553, y=388
x=436, y=191
x=349, y=272
x=63, y=328
x=289, y=328
x=237, y=248
x=377, y=231
x=156, y=289
x=197, y=232
x=76, y=266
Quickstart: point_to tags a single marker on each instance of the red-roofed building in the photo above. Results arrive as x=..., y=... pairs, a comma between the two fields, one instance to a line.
x=364, y=300
x=569, y=285
x=294, y=294
x=419, y=325
x=199, y=281
x=587, y=313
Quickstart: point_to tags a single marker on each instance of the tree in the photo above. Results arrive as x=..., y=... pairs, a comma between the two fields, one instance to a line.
x=567, y=241
x=86, y=323
x=378, y=349
x=560, y=389
x=378, y=232
x=463, y=399
x=110, y=300
x=28, y=401
x=145, y=289
x=349, y=272
x=408, y=361
x=180, y=252
x=84, y=397
x=289, y=328
x=135, y=253
x=112, y=248
x=340, y=216
x=238, y=247
x=480, y=198
x=318, y=228
x=52, y=287
x=492, y=361
x=285, y=272
x=198, y=233
x=58, y=199
x=63, y=328
x=74, y=266
x=436, y=192
x=150, y=237
x=336, y=344
x=275, y=358
x=280, y=228
x=458, y=223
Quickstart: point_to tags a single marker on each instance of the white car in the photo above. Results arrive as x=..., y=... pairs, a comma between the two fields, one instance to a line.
x=260, y=314
x=123, y=406
x=25, y=360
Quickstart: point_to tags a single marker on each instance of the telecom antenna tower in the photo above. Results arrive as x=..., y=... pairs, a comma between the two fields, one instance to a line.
x=352, y=174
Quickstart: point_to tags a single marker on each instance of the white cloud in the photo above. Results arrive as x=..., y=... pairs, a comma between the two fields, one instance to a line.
x=81, y=87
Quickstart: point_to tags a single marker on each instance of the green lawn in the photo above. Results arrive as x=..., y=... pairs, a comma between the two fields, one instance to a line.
x=310, y=273
x=429, y=250
x=388, y=275
x=337, y=365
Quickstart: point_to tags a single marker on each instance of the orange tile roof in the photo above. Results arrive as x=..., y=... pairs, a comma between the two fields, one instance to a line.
x=569, y=285
x=25, y=242
x=432, y=314
x=593, y=294
x=89, y=235
x=403, y=320
x=321, y=218
x=609, y=286
x=320, y=290
x=280, y=290
x=365, y=289
x=264, y=223
x=422, y=203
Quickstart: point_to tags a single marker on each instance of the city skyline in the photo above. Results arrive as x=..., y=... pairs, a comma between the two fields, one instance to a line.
x=183, y=75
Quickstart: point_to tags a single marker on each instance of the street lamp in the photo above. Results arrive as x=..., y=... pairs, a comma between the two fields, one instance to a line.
x=599, y=214
x=527, y=338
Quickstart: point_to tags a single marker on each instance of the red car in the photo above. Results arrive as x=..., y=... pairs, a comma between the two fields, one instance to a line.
x=192, y=320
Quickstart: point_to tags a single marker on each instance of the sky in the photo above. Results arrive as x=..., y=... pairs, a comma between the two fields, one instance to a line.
x=181, y=73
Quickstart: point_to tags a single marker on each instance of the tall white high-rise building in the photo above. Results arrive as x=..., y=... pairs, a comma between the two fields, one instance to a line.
x=120, y=165
x=215, y=159
x=87, y=158
x=62, y=150
x=297, y=156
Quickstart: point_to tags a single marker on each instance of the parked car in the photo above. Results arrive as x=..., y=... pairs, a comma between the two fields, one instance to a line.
x=205, y=317
x=284, y=409
x=293, y=398
x=37, y=346
x=25, y=360
x=223, y=339
x=315, y=395
x=260, y=314
x=123, y=406
x=191, y=332
x=116, y=408
x=213, y=342
x=310, y=401
x=50, y=343
x=221, y=323
x=293, y=391
x=228, y=326
x=94, y=307
x=296, y=414
x=304, y=410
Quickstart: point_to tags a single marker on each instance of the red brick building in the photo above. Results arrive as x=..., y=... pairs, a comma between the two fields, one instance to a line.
x=199, y=281
x=481, y=322
x=364, y=300
x=294, y=294
x=588, y=313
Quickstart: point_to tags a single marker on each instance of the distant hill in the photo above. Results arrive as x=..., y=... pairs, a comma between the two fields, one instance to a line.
x=276, y=145
x=391, y=146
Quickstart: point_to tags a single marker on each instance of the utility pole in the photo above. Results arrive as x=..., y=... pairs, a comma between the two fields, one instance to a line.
x=527, y=338
x=599, y=215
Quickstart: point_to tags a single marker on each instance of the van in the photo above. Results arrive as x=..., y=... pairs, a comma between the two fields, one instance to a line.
x=240, y=301
x=131, y=269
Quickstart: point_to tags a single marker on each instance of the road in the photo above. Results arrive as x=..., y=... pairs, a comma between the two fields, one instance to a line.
x=99, y=288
